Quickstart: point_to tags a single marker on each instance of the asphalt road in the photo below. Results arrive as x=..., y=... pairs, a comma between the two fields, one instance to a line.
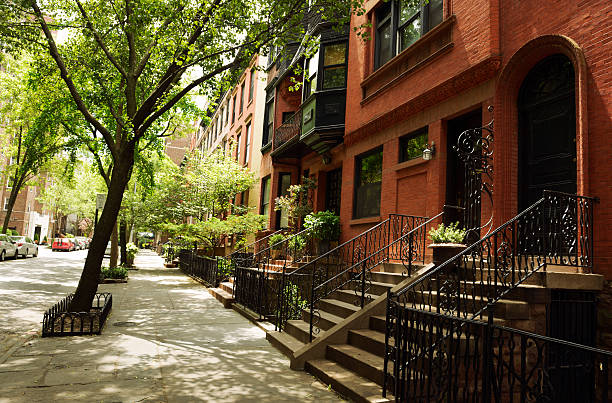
x=30, y=286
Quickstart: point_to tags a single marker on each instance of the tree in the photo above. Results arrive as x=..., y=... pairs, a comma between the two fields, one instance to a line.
x=32, y=119
x=128, y=67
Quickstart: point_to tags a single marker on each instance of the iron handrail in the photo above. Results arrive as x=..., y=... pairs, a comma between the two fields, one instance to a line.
x=253, y=245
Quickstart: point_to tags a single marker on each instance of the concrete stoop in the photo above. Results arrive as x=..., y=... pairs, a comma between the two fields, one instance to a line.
x=224, y=293
x=348, y=353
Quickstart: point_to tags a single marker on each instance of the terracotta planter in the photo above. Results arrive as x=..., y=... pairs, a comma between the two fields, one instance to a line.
x=444, y=251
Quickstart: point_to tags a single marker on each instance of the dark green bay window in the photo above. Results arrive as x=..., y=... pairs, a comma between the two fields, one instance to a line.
x=368, y=179
x=413, y=144
x=400, y=23
x=326, y=69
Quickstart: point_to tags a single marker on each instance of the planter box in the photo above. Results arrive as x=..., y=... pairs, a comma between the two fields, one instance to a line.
x=444, y=251
x=113, y=281
x=58, y=321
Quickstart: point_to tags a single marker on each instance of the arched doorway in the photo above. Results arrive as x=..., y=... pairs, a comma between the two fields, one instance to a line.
x=547, y=130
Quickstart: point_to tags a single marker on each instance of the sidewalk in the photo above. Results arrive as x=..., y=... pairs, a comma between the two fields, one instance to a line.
x=166, y=340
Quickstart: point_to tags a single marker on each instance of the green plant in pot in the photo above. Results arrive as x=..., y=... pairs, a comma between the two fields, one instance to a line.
x=131, y=250
x=325, y=227
x=447, y=242
x=276, y=245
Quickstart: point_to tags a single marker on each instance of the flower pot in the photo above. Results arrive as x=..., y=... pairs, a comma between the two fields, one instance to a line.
x=444, y=251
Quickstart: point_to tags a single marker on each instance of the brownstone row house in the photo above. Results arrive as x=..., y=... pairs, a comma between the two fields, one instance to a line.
x=502, y=109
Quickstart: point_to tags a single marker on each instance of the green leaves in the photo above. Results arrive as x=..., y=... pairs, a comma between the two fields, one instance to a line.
x=447, y=234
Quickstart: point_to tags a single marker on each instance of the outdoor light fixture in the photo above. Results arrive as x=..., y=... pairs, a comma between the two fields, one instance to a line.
x=429, y=151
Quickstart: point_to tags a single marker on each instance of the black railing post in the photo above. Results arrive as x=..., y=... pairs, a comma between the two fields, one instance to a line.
x=487, y=358
x=363, y=281
x=387, y=334
x=280, y=303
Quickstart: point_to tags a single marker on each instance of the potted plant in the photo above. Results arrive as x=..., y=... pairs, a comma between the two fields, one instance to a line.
x=131, y=250
x=276, y=245
x=325, y=227
x=446, y=242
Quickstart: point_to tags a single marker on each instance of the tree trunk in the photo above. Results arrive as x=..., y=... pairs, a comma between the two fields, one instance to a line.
x=114, y=248
x=88, y=284
x=122, y=242
x=9, y=208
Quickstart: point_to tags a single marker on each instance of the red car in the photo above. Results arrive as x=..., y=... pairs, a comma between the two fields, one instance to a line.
x=63, y=244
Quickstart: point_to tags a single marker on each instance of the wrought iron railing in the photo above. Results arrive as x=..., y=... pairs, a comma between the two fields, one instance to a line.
x=451, y=359
x=60, y=321
x=347, y=265
x=257, y=280
x=556, y=230
x=288, y=130
x=244, y=256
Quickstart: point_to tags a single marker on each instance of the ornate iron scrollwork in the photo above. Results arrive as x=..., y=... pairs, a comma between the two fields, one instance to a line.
x=475, y=149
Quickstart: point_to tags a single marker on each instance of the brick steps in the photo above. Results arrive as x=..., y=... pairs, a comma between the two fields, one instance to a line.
x=224, y=293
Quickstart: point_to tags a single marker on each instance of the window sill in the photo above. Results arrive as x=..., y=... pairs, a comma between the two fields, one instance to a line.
x=428, y=47
x=410, y=163
x=366, y=220
x=267, y=147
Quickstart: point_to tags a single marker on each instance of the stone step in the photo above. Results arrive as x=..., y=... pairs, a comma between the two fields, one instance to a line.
x=299, y=330
x=227, y=287
x=368, y=339
x=378, y=288
x=350, y=296
x=226, y=298
x=322, y=319
x=284, y=342
x=362, y=362
x=392, y=267
x=346, y=382
x=503, y=309
x=388, y=277
x=338, y=307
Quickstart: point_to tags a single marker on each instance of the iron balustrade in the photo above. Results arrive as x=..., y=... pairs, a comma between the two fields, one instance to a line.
x=446, y=358
x=257, y=280
x=288, y=130
x=348, y=265
x=244, y=256
x=556, y=230
x=60, y=321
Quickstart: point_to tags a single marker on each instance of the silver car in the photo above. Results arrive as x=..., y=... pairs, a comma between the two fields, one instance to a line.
x=25, y=246
x=7, y=248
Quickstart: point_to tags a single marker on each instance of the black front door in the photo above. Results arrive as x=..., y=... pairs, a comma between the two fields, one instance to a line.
x=547, y=130
x=333, y=190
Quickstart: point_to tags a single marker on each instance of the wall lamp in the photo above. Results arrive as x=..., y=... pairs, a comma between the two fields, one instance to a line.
x=429, y=151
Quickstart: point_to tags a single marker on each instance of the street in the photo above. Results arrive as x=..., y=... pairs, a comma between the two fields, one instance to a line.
x=166, y=340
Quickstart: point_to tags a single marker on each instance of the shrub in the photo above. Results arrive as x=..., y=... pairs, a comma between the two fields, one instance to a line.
x=276, y=239
x=45, y=240
x=69, y=236
x=131, y=249
x=224, y=268
x=297, y=243
x=324, y=225
x=119, y=272
x=295, y=302
x=447, y=234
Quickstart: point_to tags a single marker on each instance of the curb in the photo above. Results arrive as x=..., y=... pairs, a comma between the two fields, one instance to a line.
x=20, y=342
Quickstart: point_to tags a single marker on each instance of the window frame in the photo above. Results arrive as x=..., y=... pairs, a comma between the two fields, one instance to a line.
x=264, y=206
x=242, y=87
x=252, y=85
x=358, y=159
x=403, y=157
x=393, y=19
x=268, y=122
x=248, y=143
x=323, y=67
x=234, y=108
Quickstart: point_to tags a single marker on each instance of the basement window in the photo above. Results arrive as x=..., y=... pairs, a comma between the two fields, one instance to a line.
x=412, y=145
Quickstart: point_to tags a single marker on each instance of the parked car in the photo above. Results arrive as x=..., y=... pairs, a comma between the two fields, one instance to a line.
x=82, y=241
x=25, y=246
x=66, y=244
x=7, y=248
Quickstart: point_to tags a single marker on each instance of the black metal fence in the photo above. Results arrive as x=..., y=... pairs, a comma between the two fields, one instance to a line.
x=443, y=358
x=556, y=230
x=258, y=277
x=59, y=321
x=212, y=271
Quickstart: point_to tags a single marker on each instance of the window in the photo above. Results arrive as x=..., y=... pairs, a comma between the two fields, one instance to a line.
x=310, y=83
x=265, y=198
x=226, y=109
x=238, y=151
x=334, y=66
x=6, y=203
x=248, y=143
x=412, y=145
x=269, y=123
x=8, y=183
x=234, y=109
x=252, y=85
x=368, y=168
x=284, y=181
x=400, y=23
x=241, y=98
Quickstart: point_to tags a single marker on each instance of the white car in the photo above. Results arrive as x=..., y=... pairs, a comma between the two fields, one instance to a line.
x=7, y=248
x=25, y=246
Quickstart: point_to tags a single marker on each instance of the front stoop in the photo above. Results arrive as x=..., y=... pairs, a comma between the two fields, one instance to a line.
x=224, y=293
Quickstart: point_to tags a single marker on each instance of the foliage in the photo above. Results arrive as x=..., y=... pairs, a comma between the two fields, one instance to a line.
x=131, y=249
x=324, y=225
x=37, y=237
x=45, y=240
x=297, y=243
x=118, y=272
x=297, y=202
x=69, y=235
x=276, y=239
x=295, y=303
x=224, y=268
x=447, y=234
